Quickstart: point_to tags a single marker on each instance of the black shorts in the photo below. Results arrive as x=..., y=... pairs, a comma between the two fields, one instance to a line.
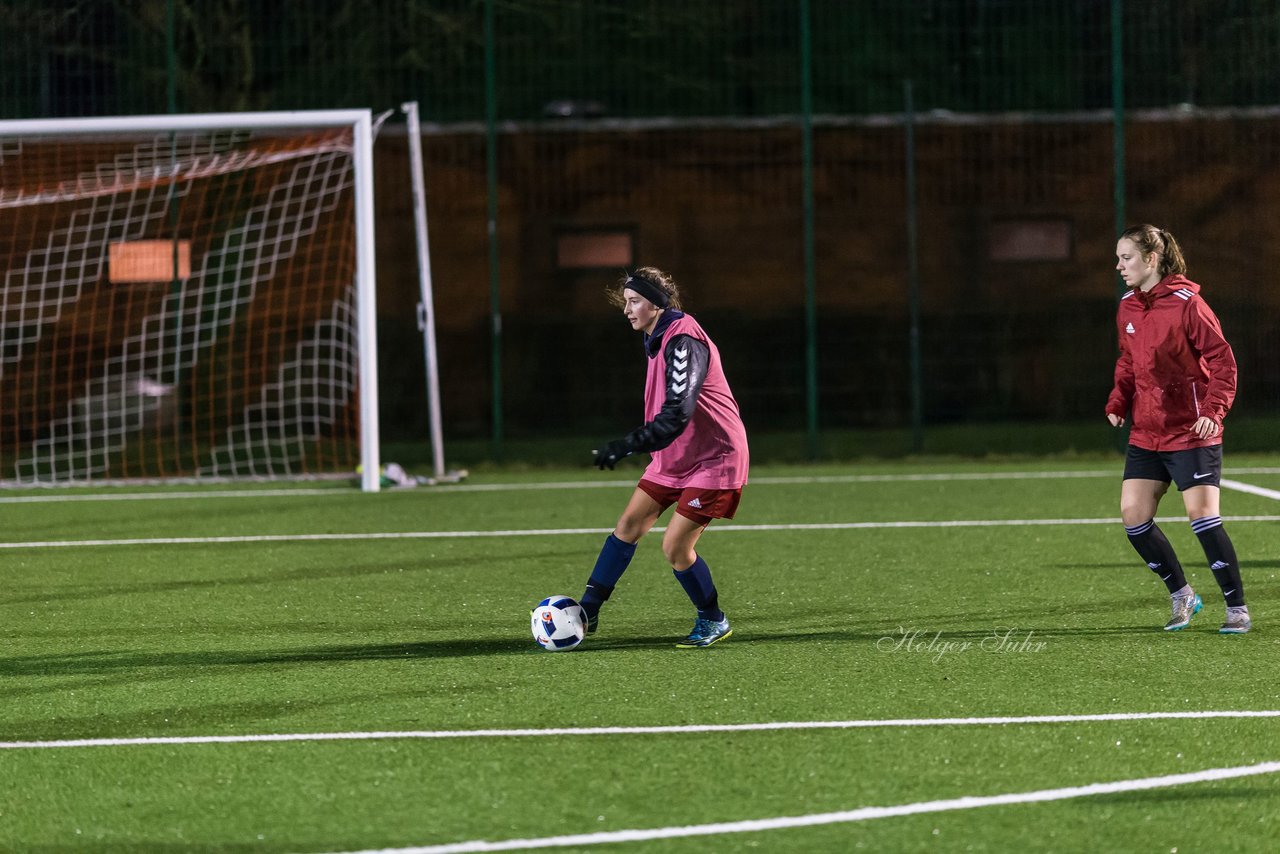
x=1192, y=467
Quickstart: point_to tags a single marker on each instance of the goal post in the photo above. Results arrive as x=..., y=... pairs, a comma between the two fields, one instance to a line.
x=188, y=297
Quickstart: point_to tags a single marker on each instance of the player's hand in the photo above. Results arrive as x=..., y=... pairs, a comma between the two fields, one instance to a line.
x=1116, y=420
x=613, y=451
x=1205, y=427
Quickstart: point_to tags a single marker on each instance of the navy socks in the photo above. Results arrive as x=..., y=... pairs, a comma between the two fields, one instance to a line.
x=614, y=557
x=696, y=581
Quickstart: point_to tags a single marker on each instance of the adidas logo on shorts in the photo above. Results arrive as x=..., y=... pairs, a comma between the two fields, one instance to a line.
x=695, y=504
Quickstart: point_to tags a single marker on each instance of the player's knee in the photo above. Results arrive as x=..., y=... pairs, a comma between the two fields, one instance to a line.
x=1135, y=512
x=1138, y=505
x=628, y=534
x=630, y=530
x=1198, y=509
x=678, y=554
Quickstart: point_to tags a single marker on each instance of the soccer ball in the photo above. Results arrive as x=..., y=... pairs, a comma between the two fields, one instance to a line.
x=559, y=623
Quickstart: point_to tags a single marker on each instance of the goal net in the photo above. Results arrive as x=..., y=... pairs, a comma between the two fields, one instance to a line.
x=187, y=297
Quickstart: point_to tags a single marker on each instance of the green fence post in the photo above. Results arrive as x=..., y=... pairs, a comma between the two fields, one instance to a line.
x=1117, y=141
x=491, y=179
x=1117, y=110
x=913, y=271
x=810, y=261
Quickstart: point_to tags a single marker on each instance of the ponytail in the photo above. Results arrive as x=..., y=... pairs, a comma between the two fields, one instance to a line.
x=1152, y=240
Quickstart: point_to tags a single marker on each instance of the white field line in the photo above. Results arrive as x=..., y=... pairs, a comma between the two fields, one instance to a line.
x=558, y=532
x=302, y=538
x=55, y=496
x=403, y=535
x=864, y=814
x=838, y=478
x=1251, y=489
x=686, y=729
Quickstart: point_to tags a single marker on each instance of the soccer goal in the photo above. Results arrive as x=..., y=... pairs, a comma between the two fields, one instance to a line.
x=188, y=298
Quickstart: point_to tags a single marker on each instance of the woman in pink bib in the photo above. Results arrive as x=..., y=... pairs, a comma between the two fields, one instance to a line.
x=698, y=446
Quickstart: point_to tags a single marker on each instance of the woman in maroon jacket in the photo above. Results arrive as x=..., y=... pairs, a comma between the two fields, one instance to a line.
x=1176, y=380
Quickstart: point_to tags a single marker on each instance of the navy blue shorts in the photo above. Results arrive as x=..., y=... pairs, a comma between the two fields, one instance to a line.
x=1192, y=467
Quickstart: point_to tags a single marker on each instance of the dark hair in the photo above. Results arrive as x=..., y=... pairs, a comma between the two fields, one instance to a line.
x=652, y=276
x=1150, y=239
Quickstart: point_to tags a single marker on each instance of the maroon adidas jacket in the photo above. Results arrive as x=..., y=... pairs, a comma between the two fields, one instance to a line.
x=1174, y=366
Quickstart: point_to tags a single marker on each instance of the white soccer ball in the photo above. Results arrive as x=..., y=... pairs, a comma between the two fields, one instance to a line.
x=559, y=623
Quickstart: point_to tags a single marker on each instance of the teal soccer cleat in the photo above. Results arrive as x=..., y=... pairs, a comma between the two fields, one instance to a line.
x=705, y=633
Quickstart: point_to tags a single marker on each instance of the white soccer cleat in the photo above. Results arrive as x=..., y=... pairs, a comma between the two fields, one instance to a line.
x=1238, y=621
x=1185, y=607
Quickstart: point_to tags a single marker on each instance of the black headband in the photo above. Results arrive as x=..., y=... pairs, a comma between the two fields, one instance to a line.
x=648, y=290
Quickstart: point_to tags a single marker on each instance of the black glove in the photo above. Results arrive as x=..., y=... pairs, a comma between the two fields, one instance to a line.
x=613, y=451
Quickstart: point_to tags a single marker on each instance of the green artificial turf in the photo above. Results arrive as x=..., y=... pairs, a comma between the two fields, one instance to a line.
x=946, y=616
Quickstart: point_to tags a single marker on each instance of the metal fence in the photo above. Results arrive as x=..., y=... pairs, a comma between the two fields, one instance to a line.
x=822, y=177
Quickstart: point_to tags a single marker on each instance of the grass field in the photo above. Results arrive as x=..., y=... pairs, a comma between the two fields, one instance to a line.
x=310, y=669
